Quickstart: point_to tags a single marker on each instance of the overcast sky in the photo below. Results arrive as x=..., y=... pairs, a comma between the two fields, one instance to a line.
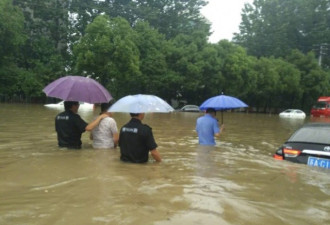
x=225, y=16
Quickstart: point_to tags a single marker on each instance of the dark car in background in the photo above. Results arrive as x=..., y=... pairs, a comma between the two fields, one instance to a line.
x=310, y=145
x=190, y=108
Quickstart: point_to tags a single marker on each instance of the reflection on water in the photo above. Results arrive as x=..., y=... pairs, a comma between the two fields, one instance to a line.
x=235, y=182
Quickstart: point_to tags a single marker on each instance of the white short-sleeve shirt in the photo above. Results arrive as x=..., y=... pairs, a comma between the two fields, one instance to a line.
x=103, y=133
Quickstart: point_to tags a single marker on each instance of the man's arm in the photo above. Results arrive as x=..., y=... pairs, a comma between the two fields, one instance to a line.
x=96, y=122
x=155, y=154
x=115, y=139
x=221, y=129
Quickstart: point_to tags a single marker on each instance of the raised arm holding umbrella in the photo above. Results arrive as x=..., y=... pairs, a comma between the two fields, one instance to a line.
x=222, y=103
x=72, y=89
x=206, y=126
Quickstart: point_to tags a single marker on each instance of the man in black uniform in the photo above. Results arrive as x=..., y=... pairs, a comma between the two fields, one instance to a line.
x=136, y=141
x=69, y=126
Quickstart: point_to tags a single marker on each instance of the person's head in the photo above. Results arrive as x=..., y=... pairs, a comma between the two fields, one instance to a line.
x=211, y=111
x=105, y=107
x=71, y=105
x=139, y=116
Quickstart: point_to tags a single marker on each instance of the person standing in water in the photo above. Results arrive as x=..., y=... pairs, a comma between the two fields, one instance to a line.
x=105, y=135
x=69, y=125
x=207, y=128
x=136, y=141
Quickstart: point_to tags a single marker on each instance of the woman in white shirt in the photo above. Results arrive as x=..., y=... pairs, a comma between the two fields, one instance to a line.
x=105, y=135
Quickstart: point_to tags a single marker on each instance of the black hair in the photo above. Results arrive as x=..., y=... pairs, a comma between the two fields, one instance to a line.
x=105, y=106
x=211, y=110
x=69, y=104
x=134, y=114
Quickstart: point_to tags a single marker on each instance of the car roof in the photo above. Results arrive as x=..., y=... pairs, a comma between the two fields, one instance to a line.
x=191, y=106
x=316, y=125
x=312, y=133
x=292, y=110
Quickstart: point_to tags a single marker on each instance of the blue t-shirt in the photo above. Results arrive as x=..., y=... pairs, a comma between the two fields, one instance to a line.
x=206, y=127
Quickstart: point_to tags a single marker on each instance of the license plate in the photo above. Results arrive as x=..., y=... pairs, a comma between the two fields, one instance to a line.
x=318, y=162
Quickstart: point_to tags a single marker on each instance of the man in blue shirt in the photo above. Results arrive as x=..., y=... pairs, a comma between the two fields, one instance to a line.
x=207, y=128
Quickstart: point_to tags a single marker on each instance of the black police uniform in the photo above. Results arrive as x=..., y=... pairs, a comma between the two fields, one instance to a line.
x=135, y=141
x=69, y=127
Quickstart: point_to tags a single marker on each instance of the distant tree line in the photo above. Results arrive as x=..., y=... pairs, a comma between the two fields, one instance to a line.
x=161, y=47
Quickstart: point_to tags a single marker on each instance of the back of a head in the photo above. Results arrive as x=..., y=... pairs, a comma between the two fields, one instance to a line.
x=134, y=114
x=105, y=106
x=69, y=104
x=211, y=111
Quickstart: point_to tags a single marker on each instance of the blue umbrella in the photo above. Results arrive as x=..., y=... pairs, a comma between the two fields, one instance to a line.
x=221, y=103
x=141, y=104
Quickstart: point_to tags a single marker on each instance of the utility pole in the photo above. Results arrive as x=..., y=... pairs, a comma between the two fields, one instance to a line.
x=320, y=55
x=323, y=49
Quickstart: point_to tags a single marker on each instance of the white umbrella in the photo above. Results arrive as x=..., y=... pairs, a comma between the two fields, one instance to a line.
x=141, y=104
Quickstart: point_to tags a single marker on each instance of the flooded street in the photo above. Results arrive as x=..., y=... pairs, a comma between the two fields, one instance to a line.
x=235, y=182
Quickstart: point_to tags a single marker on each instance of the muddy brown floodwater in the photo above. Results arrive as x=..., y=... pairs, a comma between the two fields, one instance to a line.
x=235, y=182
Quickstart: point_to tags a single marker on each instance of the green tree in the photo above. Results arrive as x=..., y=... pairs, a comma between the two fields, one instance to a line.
x=276, y=27
x=211, y=65
x=152, y=48
x=267, y=83
x=44, y=55
x=108, y=52
x=186, y=63
x=169, y=17
x=11, y=39
x=238, y=77
x=288, y=93
x=314, y=81
x=82, y=12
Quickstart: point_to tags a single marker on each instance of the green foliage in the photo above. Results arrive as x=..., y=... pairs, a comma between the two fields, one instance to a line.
x=314, y=81
x=289, y=91
x=236, y=70
x=276, y=27
x=29, y=84
x=160, y=47
x=8, y=80
x=11, y=27
x=11, y=39
x=169, y=17
x=152, y=48
x=108, y=52
x=184, y=59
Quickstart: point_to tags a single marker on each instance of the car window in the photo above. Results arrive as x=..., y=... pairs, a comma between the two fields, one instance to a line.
x=312, y=134
x=320, y=105
x=190, y=107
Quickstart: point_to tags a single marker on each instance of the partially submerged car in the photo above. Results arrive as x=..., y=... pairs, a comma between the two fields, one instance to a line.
x=190, y=108
x=293, y=113
x=60, y=105
x=310, y=145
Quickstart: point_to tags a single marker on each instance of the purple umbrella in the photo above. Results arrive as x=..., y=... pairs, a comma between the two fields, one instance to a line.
x=78, y=88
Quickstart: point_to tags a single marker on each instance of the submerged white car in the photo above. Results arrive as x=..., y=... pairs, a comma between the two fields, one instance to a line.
x=60, y=105
x=293, y=113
